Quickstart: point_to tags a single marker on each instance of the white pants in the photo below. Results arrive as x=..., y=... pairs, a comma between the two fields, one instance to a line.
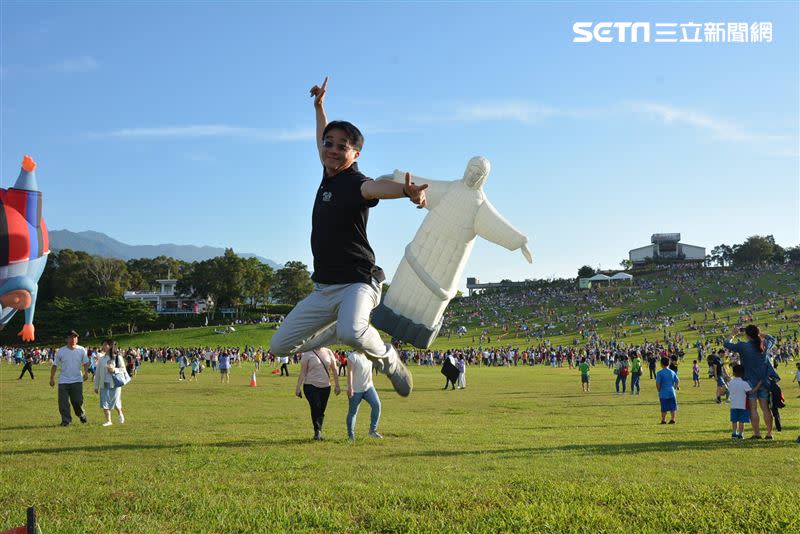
x=462, y=379
x=335, y=313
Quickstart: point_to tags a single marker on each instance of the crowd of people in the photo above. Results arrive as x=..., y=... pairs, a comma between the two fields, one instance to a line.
x=663, y=304
x=535, y=315
x=728, y=366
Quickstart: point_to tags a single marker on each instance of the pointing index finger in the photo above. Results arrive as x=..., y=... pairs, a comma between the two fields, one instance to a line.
x=325, y=83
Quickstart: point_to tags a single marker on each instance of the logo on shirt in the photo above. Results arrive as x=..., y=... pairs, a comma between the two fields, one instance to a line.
x=327, y=196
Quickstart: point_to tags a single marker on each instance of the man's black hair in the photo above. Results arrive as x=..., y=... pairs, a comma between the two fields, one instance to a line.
x=664, y=361
x=352, y=133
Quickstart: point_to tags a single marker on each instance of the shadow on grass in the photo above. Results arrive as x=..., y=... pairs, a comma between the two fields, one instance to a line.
x=607, y=449
x=646, y=403
x=160, y=446
x=786, y=430
x=562, y=427
x=577, y=395
x=27, y=427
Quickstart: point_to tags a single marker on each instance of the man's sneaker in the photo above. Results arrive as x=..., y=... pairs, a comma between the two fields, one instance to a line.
x=121, y=419
x=83, y=419
x=401, y=379
x=65, y=423
x=398, y=373
x=374, y=434
x=108, y=423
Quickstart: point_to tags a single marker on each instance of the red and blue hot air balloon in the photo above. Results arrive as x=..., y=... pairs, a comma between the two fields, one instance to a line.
x=24, y=246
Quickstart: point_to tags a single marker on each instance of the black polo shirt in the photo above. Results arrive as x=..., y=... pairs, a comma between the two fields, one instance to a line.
x=342, y=254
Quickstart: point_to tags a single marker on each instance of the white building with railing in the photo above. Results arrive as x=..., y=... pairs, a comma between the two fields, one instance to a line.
x=167, y=301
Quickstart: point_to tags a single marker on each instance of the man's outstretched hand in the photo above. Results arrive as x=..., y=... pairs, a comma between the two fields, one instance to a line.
x=414, y=192
x=319, y=93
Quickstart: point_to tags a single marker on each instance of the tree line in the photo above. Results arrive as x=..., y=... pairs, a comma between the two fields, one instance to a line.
x=229, y=280
x=755, y=249
x=85, y=292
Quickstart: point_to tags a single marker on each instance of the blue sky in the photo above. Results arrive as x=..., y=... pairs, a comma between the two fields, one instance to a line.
x=191, y=122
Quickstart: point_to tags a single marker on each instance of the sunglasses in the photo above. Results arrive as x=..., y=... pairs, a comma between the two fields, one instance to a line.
x=327, y=143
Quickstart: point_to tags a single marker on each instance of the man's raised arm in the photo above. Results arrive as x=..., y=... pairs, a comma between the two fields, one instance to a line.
x=322, y=120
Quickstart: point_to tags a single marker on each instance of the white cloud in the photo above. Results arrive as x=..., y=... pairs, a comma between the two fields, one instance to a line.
x=670, y=115
x=532, y=112
x=512, y=110
x=209, y=130
x=300, y=134
x=77, y=64
x=516, y=110
x=720, y=128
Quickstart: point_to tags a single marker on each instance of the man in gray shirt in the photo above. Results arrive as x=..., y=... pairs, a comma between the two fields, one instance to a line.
x=70, y=382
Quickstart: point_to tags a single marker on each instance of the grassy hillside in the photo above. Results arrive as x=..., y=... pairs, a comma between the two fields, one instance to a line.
x=559, y=312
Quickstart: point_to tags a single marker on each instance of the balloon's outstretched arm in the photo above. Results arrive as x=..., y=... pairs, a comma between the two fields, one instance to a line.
x=492, y=226
x=527, y=253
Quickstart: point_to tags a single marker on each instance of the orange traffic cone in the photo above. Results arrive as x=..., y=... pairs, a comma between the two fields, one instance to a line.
x=253, y=380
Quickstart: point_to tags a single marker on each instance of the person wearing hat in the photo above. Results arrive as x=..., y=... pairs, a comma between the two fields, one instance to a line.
x=71, y=357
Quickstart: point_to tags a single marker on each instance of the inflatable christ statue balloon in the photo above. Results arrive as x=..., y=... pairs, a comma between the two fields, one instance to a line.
x=24, y=246
x=427, y=277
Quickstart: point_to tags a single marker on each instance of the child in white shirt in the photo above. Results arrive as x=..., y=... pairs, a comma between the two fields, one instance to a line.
x=738, y=389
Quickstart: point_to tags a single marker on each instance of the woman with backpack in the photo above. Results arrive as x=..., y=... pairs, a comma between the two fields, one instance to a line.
x=622, y=370
x=110, y=394
x=758, y=372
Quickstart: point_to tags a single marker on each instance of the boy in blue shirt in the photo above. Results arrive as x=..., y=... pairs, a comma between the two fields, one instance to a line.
x=666, y=384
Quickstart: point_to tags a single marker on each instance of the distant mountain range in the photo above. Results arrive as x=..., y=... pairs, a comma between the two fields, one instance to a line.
x=100, y=244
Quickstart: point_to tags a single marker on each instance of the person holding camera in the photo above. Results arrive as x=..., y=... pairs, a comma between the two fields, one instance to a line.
x=110, y=395
x=758, y=371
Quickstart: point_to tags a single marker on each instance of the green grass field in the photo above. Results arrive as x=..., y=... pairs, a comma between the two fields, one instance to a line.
x=519, y=450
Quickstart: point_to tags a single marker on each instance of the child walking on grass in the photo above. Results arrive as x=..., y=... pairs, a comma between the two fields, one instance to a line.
x=666, y=384
x=738, y=390
x=584, y=369
x=696, y=374
x=195, y=368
